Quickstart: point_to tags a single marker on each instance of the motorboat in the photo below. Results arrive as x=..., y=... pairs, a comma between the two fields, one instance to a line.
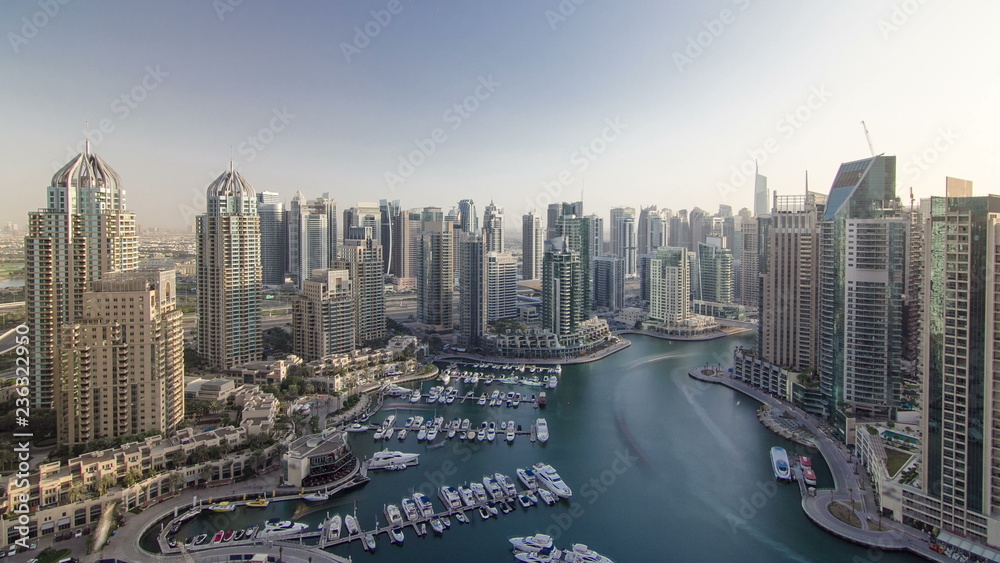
x=378, y=434
x=422, y=434
x=804, y=461
x=537, y=542
x=542, y=428
x=492, y=507
x=217, y=538
x=389, y=421
x=779, y=462
x=511, y=431
x=369, y=542
x=239, y=535
x=437, y=525
x=352, y=525
x=424, y=504
x=450, y=497
x=318, y=496
x=385, y=458
x=467, y=497
x=224, y=506
x=506, y=484
x=482, y=400
x=485, y=514
x=548, y=477
x=403, y=432
x=393, y=514
x=333, y=528
x=491, y=431
x=461, y=517
x=809, y=476
x=524, y=500
x=357, y=427
x=506, y=508
x=396, y=534
x=200, y=539
x=580, y=553
x=418, y=421
x=479, y=491
x=259, y=502
x=527, y=477
x=465, y=425
x=542, y=399
x=410, y=509
x=388, y=434
x=531, y=496
x=415, y=396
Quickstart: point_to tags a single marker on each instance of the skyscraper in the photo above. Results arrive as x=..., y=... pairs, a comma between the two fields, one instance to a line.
x=273, y=237
x=229, y=274
x=501, y=286
x=532, y=246
x=557, y=210
x=406, y=249
x=563, y=289
x=670, y=286
x=788, y=266
x=623, y=243
x=467, y=220
x=120, y=368
x=652, y=230
x=959, y=427
x=746, y=262
x=863, y=282
x=312, y=229
x=83, y=233
x=389, y=237
x=761, y=201
x=493, y=235
x=609, y=283
x=596, y=235
x=435, y=275
x=716, y=269
x=472, y=293
x=323, y=316
x=361, y=254
x=364, y=214
x=576, y=233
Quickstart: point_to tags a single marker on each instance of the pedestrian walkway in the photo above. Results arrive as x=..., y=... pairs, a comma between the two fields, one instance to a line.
x=849, y=480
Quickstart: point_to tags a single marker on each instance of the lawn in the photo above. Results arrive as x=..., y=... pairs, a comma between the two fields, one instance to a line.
x=895, y=460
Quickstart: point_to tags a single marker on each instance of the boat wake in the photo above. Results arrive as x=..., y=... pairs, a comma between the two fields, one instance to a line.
x=653, y=359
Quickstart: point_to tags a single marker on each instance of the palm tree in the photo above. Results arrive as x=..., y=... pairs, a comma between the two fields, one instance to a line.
x=106, y=483
x=77, y=493
x=176, y=481
x=133, y=476
x=206, y=472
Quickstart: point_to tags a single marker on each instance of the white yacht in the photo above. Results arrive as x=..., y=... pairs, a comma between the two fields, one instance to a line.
x=393, y=514
x=511, y=431
x=396, y=534
x=491, y=431
x=417, y=422
x=547, y=497
x=415, y=396
x=527, y=477
x=388, y=434
x=482, y=400
x=450, y=497
x=385, y=458
x=333, y=528
x=318, y=496
x=352, y=524
x=424, y=504
x=466, y=495
x=543, y=430
x=479, y=491
x=580, y=553
x=548, y=477
x=389, y=421
x=506, y=484
x=779, y=459
x=432, y=433
x=410, y=509
x=537, y=542
x=493, y=487
x=274, y=533
x=357, y=428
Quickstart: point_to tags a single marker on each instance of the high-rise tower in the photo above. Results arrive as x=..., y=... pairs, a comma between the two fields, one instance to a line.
x=493, y=235
x=229, y=274
x=532, y=246
x=83, y=233
x=273, y=237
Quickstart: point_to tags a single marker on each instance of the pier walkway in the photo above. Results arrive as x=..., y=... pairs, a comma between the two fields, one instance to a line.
x=850, y=482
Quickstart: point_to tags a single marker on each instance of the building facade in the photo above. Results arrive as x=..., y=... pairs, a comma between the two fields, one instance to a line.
x=532, y=246
x=436, y=272
x=273, y=238
x=323, y=317
x=609, y=283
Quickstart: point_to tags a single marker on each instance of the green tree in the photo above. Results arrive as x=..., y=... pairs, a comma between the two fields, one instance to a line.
x=132, y=477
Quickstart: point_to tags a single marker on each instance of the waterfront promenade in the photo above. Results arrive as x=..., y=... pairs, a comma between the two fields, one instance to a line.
x=849, y=477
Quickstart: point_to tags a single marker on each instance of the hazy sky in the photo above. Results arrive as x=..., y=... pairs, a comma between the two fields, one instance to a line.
x=428, y=102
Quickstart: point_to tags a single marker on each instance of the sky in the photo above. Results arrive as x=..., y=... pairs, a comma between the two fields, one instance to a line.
x=629, y=103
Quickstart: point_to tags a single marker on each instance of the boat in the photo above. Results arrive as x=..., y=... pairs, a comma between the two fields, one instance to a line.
x=415, y=396
x=465, y=425
x=482, y=400
x=217, y=538
x=437, y=525
x=479, y=491
x=389, y=421
x=357, y=427
x=369, y=542
x=471, y=435
x=804, y=461
x=410, y=509
x=223, y=506
x=542, y=399
x=384, y=458
x=531, y=496
x=200, y=539
x=492, y=507
x=396, y=534
x=542, y=427
x=189, y=541
x=467, y=497
x=524, y=500
x=378, y=434
x=516, y=401
x=506, y=508
x=532, y=382
x=352, y=525
x=408, y=423
x=779, y=462
x=451, y=433
x=527, y=477
x=537, y=542
x=445, y=377
x=553, y=381
x=276, y=524
x=546, y=556
x=580, y=553
x=432, y=433
x=461, y=517
x=424, y=504
x=259, y=502
x=388, y=434
x=809, y=476
x=506, y=484
x=422, y=530
x=317, y=496
x=491, y=431
x=481, y=435
x=393, y=514
x=239, y=535
x=446, y=521
x=418, y=421
x=548, y=477
x=450, y=497
x=250, y=531
x=333, y=528
x=402, y=434
x=421, y=434
x=485, y=514
x=172, y=543
x=511, y=431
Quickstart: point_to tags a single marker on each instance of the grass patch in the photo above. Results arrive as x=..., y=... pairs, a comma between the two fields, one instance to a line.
x=49, y=555
x=844, y=514
x=895, y=460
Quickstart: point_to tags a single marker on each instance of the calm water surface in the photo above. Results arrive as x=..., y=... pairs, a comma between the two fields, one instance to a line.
x=663, y=468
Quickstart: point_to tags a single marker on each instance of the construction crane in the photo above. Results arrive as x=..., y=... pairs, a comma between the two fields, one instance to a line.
x=871, y=147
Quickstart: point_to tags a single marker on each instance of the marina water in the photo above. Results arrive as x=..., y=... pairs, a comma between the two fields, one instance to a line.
x=663, y=468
